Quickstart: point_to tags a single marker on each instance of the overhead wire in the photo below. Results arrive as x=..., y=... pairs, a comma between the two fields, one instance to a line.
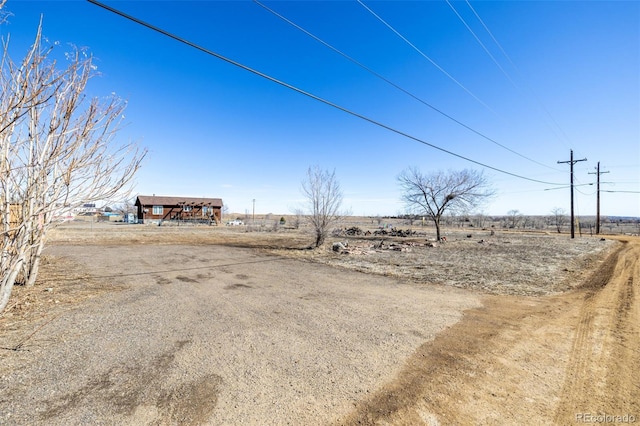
x=480, y=43
x=490, y=34
x=567, y=186
x=578, y=183
x=308, y=94
x=495, y=40
x=584, y=193
x=442, y=70
x=386, y=80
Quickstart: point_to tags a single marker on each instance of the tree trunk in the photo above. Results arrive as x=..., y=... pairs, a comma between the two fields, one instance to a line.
x=6, y=285
x=320, y=237
x=34, y=264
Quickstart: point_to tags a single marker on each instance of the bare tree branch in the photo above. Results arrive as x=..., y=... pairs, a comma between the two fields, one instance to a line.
x=324, y=196
x=559, y=217
x=57, y=152
x=434, y=194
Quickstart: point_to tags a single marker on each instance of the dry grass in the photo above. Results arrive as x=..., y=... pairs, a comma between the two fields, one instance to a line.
x=504, y=263
x=497, y=262
x=61, y=285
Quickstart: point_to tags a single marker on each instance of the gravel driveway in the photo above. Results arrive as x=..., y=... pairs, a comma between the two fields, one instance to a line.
x=218, y=335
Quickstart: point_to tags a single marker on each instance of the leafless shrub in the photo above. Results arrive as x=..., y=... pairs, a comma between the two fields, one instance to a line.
x=324, y=197
x=56, y=152
x=559, y=218
x=298, y=215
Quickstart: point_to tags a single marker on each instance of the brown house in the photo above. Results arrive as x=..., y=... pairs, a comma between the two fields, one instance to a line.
x=159, y=208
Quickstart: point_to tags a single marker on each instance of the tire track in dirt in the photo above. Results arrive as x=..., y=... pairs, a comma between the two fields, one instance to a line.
x=584, y=348
x=603, y=375
x=524, y=360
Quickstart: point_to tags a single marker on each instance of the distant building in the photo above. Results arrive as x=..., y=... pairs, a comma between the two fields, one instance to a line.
x=88, y=209
x=159, y=208
x=130, y=218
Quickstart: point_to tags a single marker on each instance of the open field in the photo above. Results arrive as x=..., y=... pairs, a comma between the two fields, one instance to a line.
x=134, y=324
x=493, y=261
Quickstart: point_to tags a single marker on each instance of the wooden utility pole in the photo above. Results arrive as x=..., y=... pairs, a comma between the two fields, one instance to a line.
x=598, y=172
x=571, y=163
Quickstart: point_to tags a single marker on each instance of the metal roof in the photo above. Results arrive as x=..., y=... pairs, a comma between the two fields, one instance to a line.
x=159, y=200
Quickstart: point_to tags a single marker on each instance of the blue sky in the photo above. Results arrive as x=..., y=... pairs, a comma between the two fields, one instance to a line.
x=531, y=79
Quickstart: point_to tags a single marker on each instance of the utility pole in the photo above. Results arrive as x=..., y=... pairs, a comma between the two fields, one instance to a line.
x=253, y=218
x=571, y=163
x=598, y=172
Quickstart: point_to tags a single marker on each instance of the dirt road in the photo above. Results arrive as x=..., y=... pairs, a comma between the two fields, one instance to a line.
x=563, y=360
x=220, y=335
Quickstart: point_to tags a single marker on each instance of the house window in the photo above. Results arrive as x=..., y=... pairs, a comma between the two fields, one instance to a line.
x=204, y=210
x=157, y=210
x=187, y=208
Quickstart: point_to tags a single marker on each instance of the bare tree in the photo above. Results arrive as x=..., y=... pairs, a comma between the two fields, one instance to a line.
x=56, y=153
x=479, y=220
x=438, y=192
x=514, y=217
x=324, y=197
x=559, y=217
x=298, y=215
x=127, y=206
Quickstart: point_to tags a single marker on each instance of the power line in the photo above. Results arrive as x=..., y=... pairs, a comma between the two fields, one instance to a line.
x=378, y=75
x=480, y=43
x=491, y=34
x=582, y=192
x=568, y=186
x=514, y=66
x=308, y=94
x=427, y=58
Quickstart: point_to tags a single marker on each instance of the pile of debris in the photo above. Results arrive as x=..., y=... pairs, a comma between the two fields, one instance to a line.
x=395, y=232
x=395, y=246
x=343, y=247
x=354, y=230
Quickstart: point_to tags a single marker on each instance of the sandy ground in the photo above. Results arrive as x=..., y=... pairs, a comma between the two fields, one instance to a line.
x=219, y=335
x=568, y=359
x=166, y=330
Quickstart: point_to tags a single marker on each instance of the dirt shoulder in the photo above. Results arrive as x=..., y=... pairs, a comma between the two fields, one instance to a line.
x=557, y=360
